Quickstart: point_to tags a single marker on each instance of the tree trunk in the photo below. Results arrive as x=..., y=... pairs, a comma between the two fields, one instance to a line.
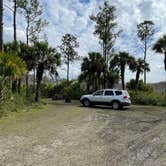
x=104, y=75
x=122, y=77
x=14, y=85
x=1, y=25
x=165, y=60
x=27, y=76
x=145, y=51
x=34, y=77
x=19, y=86
x=27, y=84
x=137, y=79
x=27, y=37
x=14, y=20
x=37, y=90
x=68, y=69
x=14, y=82
x=39, y=75
x=27, y=32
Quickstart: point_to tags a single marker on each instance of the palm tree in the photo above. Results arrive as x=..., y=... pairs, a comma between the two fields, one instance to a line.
x=26, y=53
x=92, y=69
x=47, y=60
x=139, y=67
x=160, y=47
x=11, y=67
x=119, y=62
x=112, y=78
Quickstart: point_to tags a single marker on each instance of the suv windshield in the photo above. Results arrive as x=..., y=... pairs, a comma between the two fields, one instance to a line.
x=98, y=93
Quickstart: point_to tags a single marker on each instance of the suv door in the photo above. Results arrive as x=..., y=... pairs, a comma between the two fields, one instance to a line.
x=98, y=96
x=108, y=96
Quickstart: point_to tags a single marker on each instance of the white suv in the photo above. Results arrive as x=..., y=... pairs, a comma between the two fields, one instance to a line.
x=116, y=98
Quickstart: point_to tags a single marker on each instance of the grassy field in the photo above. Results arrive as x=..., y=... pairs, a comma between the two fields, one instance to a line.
x=58, y=134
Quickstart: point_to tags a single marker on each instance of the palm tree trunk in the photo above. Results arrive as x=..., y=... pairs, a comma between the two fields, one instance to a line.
x=122, y=77
x=27, y=84
x=137, y=79
x=68, y=69
x=39, y=76
x=1, y=25
x=37, y=90
x=14, y=85
x=19, y=86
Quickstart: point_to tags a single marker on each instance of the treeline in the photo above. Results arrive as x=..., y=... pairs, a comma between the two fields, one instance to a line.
x=104, y=70
x=98, y=70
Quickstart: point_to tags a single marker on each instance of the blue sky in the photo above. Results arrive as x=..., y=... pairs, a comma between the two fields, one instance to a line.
x=72, y=16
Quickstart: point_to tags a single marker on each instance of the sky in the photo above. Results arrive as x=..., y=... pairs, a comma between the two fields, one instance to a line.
x=72, y=16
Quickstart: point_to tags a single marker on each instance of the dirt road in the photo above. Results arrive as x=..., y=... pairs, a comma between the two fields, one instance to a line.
x=69, y=135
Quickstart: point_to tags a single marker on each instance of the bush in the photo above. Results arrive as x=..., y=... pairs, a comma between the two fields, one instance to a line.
x=71, y=90
x=141, y=86
x=16, y=103
x=147, y=98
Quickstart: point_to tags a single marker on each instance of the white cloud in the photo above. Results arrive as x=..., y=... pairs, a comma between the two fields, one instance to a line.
x=72, y=16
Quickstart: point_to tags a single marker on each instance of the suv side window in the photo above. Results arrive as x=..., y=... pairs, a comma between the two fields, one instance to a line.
x=109, y=93
x=98, y=93
x=118, y=93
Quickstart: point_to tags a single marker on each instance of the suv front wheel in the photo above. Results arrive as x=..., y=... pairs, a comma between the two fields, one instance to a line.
x=116, y=105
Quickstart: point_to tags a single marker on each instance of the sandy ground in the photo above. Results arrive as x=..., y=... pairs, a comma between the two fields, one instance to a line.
x=69, y=135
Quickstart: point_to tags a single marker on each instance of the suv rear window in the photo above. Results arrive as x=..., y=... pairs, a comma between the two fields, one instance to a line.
x=109, y=93
x=118, y=93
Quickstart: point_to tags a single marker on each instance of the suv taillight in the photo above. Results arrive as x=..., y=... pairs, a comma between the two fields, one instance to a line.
x=125, y=97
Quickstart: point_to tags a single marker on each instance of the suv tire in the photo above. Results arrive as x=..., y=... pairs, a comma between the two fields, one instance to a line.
x=86, y=103
x=116, y=105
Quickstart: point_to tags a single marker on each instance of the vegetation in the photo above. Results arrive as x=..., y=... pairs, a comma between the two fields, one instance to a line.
x=32, y=12
x=69, y=43
x=1, y=25
x=145, y=32
x=147, y=98
x=133, y=85
x=92, y=69
x=119, y=62
x=98, y=70
x=105, y=26
x=73, y=90
x=160, y=47
x=139, y=67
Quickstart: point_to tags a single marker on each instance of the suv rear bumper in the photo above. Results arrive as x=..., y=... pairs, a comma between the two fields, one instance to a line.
x=125, y=104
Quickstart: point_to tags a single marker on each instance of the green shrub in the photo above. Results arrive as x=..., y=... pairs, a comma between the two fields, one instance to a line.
x=72, y=90
x=147, y=98
x=131, y=85
x=16, y=103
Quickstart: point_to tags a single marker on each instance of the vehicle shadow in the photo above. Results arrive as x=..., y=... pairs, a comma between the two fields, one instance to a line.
x=99, y=107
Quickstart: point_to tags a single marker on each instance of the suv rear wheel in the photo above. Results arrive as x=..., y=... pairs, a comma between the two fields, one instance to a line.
x=116, y=105
x=86, y=103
